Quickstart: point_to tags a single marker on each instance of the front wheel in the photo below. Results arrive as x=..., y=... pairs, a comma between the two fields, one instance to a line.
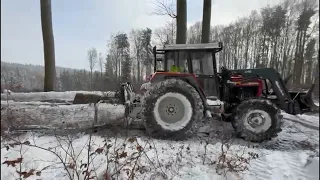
x=257, y=120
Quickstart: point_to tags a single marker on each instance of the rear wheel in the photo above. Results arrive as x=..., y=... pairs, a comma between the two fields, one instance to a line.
x=257, y=120
x=170, y=109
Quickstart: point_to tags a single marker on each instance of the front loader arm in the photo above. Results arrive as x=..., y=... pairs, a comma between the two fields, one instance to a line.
x=275, y=79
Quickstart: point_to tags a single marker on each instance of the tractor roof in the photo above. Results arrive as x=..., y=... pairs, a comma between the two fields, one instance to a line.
x=203, y=46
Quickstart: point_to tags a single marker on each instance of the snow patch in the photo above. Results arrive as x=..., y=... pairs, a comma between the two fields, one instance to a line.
x=278, y=165
x=179, y=160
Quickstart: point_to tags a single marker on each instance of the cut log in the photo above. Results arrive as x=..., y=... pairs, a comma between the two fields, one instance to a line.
x=47, y=96
x=81, y=98
x=19, y=115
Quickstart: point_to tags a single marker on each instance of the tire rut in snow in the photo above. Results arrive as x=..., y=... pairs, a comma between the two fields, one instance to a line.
x=103, y=130
x=278, y=165
x=289, y=145
x=292, y=138
x=307, y=125
x=260, y=170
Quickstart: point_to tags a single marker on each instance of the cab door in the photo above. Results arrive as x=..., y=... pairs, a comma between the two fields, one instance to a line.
x=203, y=66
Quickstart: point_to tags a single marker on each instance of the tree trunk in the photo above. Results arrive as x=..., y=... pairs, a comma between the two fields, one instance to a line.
x=48, y=45
x=58, y=117
x=309, y=72
x=266, y=63
x=255, y=58
x=257, y=50
x=138, y=67
x=274, y=56
x=206, y=18
x=181, y=22
x=296, y=57
x=302, y=55
x=261, y=64
x=284, y=57
x=246, y=53
x=315, y=76
x=224, y=57
x=172, y=32
x=148, y=65
x=284, y=63
x=91, y=80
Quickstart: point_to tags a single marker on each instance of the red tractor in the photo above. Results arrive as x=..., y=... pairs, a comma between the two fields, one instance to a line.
x=173, y=103
x=250, y=98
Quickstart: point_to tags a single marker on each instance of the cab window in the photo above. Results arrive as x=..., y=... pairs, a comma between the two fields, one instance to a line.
x=177, y=58
x=202, y=63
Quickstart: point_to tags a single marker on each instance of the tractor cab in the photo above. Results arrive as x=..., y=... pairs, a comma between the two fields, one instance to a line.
x=196, y=59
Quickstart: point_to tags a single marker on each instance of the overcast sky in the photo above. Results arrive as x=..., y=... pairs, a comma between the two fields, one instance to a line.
x=81, y=24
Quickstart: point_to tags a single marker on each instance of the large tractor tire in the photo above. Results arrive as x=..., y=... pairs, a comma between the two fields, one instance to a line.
x=257, y=120
x=171, y=108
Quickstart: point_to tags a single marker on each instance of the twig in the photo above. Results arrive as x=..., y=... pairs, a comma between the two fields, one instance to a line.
x=48, y=150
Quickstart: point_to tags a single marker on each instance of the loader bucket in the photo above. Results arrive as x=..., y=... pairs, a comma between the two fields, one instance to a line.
x=305, y=100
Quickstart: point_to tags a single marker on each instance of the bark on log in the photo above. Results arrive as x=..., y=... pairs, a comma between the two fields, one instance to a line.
x=19, y=115
x=47, y=96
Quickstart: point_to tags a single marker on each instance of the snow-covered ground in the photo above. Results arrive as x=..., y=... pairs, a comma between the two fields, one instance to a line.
x=293, y=155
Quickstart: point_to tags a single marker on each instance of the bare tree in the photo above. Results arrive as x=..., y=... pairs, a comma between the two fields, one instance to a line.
x=309, y=53
x=165, y=7
x=137, y=39
x=101, y=64
x=167, y=33
x=146, y=40
x=113, y=58
x=48, y=45
x=303, y=24
x=92, y=57
x=248, y=35
x=194, y=33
